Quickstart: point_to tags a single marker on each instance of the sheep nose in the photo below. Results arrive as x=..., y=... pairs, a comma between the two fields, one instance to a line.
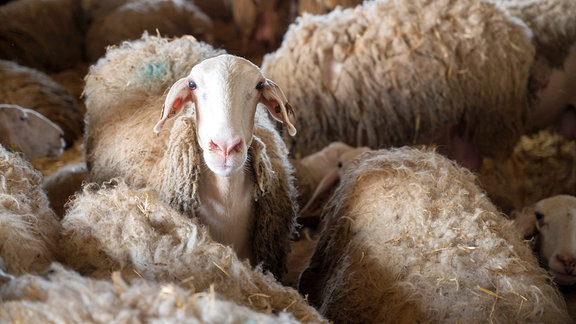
x=569, y=262
x=226, y=148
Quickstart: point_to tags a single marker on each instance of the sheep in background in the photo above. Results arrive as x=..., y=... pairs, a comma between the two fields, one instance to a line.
x=112, y=227
x=63, y=183
x=29, y=132
x=28, y=227
x=317, y=7
x=43, y=34
x=408, y=236
x=407, y=72
x=33, y=89
x=63, y=296
x=166, y=17
x=227, y=165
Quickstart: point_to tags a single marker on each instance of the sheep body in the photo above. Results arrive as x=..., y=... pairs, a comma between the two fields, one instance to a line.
x=29, y=228
x=406, y=72
x=172, y=161
x=33, y=89
x=410, y=237
x=112, y=227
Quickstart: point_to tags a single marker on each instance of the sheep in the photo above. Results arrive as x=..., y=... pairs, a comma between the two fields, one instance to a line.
x=29, y=132
x=201, y=156
x=111, y=227
x=42, y=34
x=63, y=183
x=33, y=89
x=551, y=221
x=409, y=236
x=29, y=229
x=63, y=296
x=167, y=17
x=407, y=72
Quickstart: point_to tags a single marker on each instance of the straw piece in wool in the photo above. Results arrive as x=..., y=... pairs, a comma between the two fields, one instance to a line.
x=410, y=237
x=406, y=72
x=28, y=227
x=63, y=296
x=113, y=228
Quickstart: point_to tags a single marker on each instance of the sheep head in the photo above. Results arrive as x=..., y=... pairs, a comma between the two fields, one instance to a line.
x=554, y=221
x=225, y=91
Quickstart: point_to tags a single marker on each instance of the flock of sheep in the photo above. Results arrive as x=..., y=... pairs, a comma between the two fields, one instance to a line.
x=286, y=161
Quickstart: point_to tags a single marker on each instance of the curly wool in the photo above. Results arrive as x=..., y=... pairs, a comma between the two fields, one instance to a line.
x=409, y=236
x=392, y=73
x=28, y=227
x=112, y=228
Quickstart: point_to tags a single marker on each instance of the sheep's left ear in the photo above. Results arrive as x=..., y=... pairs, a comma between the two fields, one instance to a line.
x=526, y=221
x=277, y=104
x=177, y=97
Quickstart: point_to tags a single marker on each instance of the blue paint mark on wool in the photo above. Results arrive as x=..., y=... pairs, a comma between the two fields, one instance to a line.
x=154, y=71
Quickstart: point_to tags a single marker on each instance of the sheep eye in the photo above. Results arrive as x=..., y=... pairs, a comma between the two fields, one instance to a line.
x=538, y=215
x=339, y=164
x=260, y=86
x=192, y=85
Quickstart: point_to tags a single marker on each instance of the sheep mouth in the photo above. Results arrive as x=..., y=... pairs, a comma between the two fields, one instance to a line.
x=563, y=278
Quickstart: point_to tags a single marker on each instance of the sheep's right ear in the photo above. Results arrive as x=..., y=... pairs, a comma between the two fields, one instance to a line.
x=179, y=94
x=526, y=221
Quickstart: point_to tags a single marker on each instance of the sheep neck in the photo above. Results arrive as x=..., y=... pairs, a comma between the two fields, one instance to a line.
x=226, y=209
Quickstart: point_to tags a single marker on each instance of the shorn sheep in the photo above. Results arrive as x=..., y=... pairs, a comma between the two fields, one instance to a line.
x=409, y=236
x=221, y=159
x=449, y=72
x=25, y=130
x=114, y=228
x=28, y=227
x=552, y=221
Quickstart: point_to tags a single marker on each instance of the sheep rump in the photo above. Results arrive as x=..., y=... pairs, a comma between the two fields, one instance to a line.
x=405, y=73
x=410, y=237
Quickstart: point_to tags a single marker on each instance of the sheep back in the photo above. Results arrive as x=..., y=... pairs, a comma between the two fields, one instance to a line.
x=29, y=229
x=405, y=72
x=409, y=236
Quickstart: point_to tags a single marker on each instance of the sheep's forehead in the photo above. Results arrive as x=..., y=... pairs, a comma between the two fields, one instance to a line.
x=558, y=207
x=227, y=69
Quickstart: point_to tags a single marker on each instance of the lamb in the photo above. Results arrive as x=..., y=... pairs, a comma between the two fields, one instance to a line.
x=551, y=220
x=42, y=34
x=29, y=229
x=111, y=227
x=409, y=237
x=29, y=132
x=33, y=89
x=408, y=72
x=167, y=17
x=63, y=296
x=229, y=167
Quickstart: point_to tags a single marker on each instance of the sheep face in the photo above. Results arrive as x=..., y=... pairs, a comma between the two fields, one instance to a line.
x=554, y=219
x=30, y=132
x=225, y=91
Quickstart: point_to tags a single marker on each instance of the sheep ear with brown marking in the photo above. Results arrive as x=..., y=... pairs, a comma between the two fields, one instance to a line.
x=526, y=221
x=180, y=93
x=277, y=104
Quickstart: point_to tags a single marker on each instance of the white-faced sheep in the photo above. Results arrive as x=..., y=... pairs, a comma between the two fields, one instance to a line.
x=221, y=160
x=63, y=296
x=111, y=227
x=33, y=89
x=42, y=34
x=25, y=130
x=28, y=227
x=552, y=221
x=409, y=236
x=166, y=17
x=390, y=73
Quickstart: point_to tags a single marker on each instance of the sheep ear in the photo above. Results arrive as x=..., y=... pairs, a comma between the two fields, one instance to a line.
x=277, y=104
x=178, y=95
x=526, y=222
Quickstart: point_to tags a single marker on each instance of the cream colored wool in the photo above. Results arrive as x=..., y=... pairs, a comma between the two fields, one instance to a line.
x=391, y=73
x=42, y=34
x=124, y=98
x=167, y=17
x=30, y=88
x=317, y=7
x=28, y=227
x=63, y=296
x=409, y=237
x=113, y=228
